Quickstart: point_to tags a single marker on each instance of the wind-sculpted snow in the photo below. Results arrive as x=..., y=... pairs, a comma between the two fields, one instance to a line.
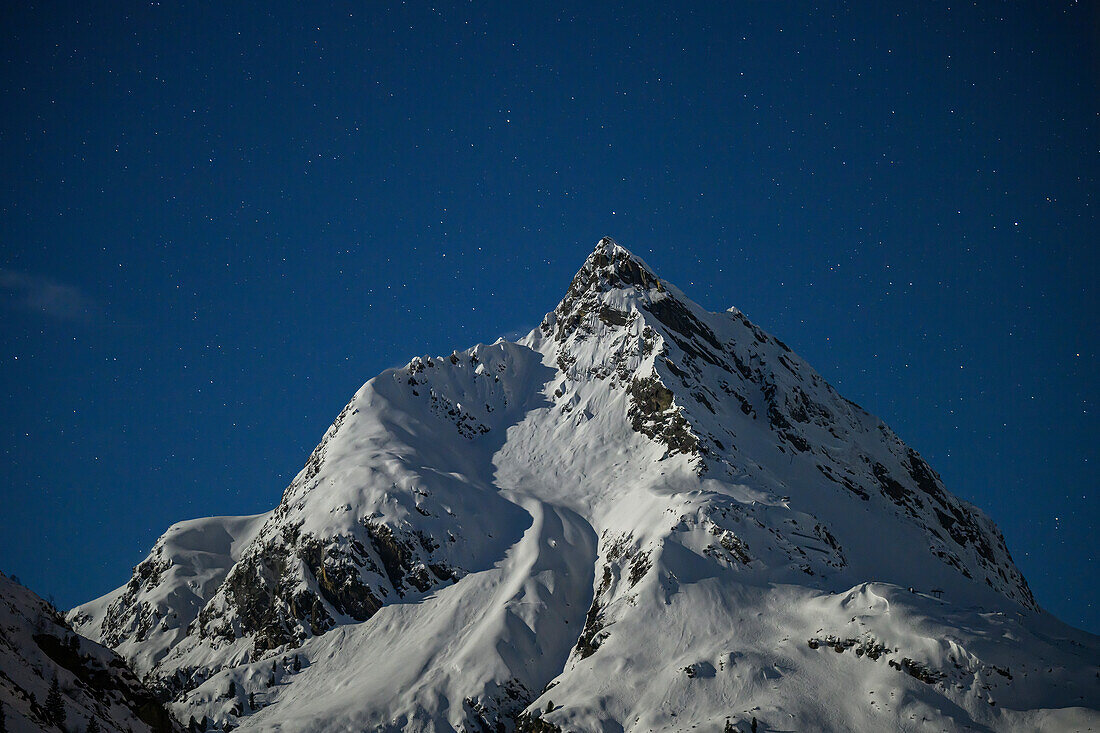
x=151, y=614
x=641, y=516
x=384, y=510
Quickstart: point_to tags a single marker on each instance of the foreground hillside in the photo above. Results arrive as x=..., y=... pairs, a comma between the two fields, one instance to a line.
x=53, y=679
x=642, y=516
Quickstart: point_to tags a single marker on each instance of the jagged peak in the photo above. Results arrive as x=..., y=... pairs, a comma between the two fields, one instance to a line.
x=612, y=251
x=611, y=265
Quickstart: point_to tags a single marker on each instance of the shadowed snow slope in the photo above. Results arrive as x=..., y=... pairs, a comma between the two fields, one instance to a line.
x=642, y=516
x=93, y=683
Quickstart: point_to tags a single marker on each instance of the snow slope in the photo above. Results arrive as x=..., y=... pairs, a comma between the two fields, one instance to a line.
x=650, y=516
x=37, y=646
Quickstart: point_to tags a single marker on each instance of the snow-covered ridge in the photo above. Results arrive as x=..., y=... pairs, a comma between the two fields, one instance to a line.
x=600, y=508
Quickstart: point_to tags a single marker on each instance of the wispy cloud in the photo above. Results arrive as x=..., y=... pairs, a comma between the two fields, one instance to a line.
x=48, y=297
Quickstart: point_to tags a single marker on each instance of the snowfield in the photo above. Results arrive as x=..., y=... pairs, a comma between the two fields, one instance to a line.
x=642, y=516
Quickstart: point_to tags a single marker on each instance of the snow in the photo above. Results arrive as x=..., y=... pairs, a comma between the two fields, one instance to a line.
x=636, y=490
x=194, y=557
x=36, y=646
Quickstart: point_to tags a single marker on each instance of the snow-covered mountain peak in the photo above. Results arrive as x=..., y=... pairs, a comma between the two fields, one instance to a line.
x=616, y=266
x=610, y=277
x=476, y=529
x=611, y=288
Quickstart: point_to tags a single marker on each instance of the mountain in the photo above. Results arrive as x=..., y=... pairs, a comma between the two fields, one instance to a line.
x=641, y=516
x=37, y=647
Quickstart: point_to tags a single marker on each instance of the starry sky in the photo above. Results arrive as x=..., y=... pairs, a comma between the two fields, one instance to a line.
x=218, y=220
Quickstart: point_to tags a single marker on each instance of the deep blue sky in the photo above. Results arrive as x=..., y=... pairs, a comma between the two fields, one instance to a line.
x=216, y=223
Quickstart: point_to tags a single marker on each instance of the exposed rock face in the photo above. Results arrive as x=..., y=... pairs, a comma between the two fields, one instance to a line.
x=653, y=414
x=637, y=495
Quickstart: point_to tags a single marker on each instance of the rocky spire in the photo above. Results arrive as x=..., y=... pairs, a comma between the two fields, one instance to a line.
x=613, y=266
x=609, y=267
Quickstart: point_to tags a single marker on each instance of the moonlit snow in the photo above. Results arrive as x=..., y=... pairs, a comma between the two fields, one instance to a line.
x=641, y=516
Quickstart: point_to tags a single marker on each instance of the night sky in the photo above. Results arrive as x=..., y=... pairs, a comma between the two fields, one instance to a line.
x=217, y=222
